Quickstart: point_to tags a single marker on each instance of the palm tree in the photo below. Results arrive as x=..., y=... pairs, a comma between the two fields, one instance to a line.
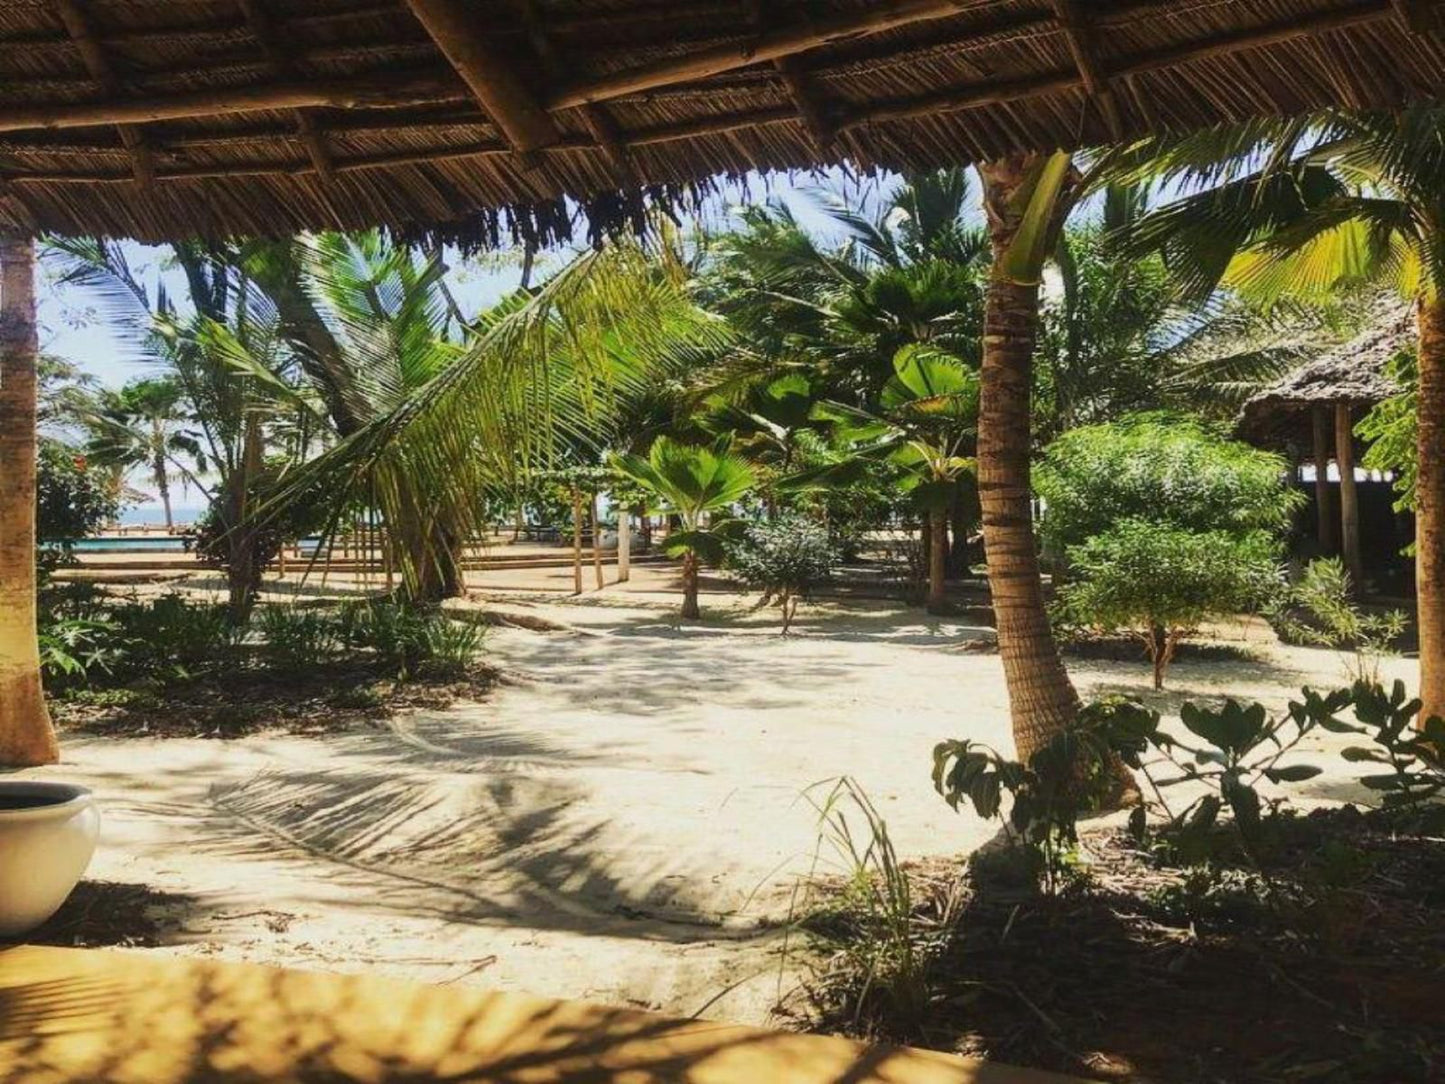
x=1308, y=207
x=698, y=485
x=1026, y=199
x=143, y=425
x=26, y=736
x=924, y=426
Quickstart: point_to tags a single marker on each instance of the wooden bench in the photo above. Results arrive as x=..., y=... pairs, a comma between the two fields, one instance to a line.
x=73, y=1015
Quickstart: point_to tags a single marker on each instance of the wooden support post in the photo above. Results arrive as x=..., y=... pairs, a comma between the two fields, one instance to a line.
x=597, y=544
x=1349, y=499
x=624, y=544
x=464, y=41
x=283, y=63
x=1325, y=521
x=576, y=541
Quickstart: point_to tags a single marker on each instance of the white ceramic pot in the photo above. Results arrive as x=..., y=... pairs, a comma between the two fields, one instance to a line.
x=47, y=835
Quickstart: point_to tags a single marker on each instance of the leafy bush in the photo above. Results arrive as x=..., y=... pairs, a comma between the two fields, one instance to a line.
x=1064, y=779
x=71, y=501
x=1159, y=583
x=1319, y=609
x=1415, y=758
x=1162, y=468
x=295, y=638
x=172, y=636
x=1164, y=523
x=410, y=639
x=785, y=559
x=74, y=649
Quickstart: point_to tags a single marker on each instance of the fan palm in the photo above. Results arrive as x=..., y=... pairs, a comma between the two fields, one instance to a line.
x=1309, y=207
x=699, y=485
x=925, y=425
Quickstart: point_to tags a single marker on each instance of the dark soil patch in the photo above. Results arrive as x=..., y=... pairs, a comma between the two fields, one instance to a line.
x=240, y=702
x=1329, y=969
x=111, y=914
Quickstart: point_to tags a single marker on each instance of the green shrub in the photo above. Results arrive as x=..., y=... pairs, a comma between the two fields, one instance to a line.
x=1320, y=609
x=1166, y=469
x=785, y=559
x=172, y=636
x=1158, y=583
x=295, y=638
x=410, y=639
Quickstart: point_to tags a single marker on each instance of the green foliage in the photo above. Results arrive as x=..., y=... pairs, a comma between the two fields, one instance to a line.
x=1164, y=468
x=295, y=638
x=1415, y=757
x=1391, y=432
x=1242, y=747
x=786, y=559
x=1160, y=582
x=172, y=637
x=74, y=649
x=409, y=639
x=1064, y=779
x=1320, y=609
x=72, y=499
x=877, y=910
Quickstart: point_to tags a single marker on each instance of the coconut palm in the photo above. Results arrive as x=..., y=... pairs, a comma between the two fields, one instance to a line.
x=144, y=424
x=699, y=485
x=1309, y=207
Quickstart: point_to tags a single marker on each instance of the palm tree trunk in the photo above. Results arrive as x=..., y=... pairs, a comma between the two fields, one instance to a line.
x=937, y=560
x=26, y=736
x=690, y=608
x=1430, y=508
x=1042, y=700
x=158, y=469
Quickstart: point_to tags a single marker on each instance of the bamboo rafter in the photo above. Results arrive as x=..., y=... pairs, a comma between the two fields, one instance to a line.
x=264, y=28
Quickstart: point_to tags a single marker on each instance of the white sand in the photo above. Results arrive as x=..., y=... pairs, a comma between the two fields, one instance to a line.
x=623, y=821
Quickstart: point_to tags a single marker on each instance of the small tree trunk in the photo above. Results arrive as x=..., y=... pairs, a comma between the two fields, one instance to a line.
x=576, y=541
x=597, y=544
x=1324, y=510
x=624, y=545
x=1430, y=508
x=645, y=528
x=163, y=485
x=1349, y=498
x=1159, y=654
x=1042, y=699
x=26, y=736
x=690, y=608
x=937, y=561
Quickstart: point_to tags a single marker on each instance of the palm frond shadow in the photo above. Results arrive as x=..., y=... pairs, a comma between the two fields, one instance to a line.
x=474, y=850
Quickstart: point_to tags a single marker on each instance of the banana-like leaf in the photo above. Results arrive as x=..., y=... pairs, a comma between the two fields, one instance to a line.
x=1038, y=200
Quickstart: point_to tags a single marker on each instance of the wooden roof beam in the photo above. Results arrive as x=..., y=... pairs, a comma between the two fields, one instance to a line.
x=880, y=16
x=1080, y=37
x=600, y=123
x=463, y=41
x=283, y=61
x=423, y=88
x=78, y=26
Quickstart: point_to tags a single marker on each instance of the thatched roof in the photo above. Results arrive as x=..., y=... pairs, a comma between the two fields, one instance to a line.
x=177, y=117
x=1354, y=373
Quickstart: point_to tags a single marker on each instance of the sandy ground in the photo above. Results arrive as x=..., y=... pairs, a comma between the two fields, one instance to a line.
x=626, y=819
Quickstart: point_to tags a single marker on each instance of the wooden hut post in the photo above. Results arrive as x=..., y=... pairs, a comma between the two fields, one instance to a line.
x=1325, y=531
x=1349, y=498
x=576, y=541
x=624, y=543
x=597, y=543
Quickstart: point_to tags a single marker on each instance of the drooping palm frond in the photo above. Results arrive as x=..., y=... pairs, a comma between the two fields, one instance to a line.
x=544, y=374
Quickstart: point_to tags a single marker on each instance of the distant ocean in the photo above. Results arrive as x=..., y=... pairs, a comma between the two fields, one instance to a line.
x=155, y=514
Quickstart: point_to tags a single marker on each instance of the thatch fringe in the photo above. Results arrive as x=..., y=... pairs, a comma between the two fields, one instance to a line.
x=208, y=117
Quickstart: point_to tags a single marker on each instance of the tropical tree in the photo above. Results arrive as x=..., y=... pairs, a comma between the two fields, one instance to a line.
x=1310, y=206
x=699, y=485
x=144, y=424
x=924, y=427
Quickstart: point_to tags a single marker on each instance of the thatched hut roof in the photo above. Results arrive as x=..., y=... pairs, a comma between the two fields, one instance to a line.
x=180, y=117
x=1355, y=373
